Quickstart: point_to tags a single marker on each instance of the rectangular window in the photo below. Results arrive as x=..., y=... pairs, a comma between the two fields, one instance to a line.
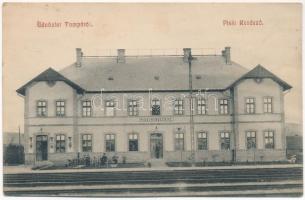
x=267, y=104
x=87, y=143
x=224, y=140
x=109, y=107
x=251, y=139
x=250, y=105
x=133, y=108
x=223, y=106
x=202, y=140
x=60, y=143
x=133, y=142
x=41, y=108
x=201, y=106
x=179, y=141
x=178, y=107
x=86, y=108
x=155, y=107
x=269, y=139
x=60, y=108
x=110, y=142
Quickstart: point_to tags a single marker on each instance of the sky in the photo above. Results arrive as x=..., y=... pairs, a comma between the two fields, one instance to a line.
x=28, y=50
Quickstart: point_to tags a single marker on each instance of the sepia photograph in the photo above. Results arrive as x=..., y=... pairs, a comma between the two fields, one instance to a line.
x=152, y=100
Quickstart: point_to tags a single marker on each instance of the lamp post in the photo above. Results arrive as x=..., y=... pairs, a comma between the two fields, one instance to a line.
x=190, y=58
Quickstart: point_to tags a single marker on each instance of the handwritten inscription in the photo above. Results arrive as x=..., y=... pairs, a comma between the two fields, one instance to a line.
x=243, y=22
x=65, y=24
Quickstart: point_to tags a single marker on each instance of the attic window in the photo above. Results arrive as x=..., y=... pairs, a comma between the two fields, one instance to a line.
x=110, y=78
x=258, y=80
x=156, y=77
x=198, y=77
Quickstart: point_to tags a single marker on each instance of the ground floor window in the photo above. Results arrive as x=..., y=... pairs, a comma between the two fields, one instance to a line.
x=87, y=143
x=251, y=139
x=133, y=142
x=179, y=141
x=110, y=142
x=269, y=139
x=60, y=143
x=224, y=140
x=202, y=140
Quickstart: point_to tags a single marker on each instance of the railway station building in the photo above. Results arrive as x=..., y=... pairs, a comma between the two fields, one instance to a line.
x=173, y=108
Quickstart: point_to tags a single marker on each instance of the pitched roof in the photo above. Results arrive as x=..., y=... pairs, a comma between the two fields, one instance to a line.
x=50, y=75
x=159, y=73
x=155, y=72
x=261, y=72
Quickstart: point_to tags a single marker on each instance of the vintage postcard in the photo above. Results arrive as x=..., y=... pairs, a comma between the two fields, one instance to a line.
x=152, y=100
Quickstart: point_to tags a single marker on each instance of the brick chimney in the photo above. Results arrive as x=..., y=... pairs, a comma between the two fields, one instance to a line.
x=186, y=54
x=227, y=54
x=79, y=56
x=121, y=56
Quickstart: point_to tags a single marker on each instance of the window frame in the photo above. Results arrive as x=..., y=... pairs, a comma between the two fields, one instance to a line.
x=87, y=140
x=110, y=140
x=180, y=107
x=132, y=109
x=202, y=138
x=64, y=108
x=152, y=104
x=60, y=143
x=251, y=137
x=268, y=103
x=130, y=140
x=225, y=139
x=86, y=107
x=253, y=111
x=178, y=140
x=40, y=107
x=273, y=138
x=113, y=106
x=203, y=107
x=222, y=104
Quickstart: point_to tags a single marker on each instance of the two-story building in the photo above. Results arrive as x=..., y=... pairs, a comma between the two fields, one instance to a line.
x=139, y=107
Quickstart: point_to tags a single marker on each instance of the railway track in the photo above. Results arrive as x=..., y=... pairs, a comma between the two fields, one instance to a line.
x=157, y=183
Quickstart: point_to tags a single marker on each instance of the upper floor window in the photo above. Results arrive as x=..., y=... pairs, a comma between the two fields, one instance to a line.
x=155, y=107
x=41, y=108
x=224, y=140
x=178, y=107
x=86, y=108
x=201, y=106
x=133, y=142
x=202, y=140
x=179, y=141
x=132, y=108
x=269, y=139
x=87, y=143
x=250, y=105
x=109, y=107
x=251, y=139
x=60, y=108
x=267, y=104
x=110, y=142
x=223, y=106
x=60, y=143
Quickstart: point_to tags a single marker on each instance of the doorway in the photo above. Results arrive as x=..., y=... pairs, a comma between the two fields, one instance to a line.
x=41, y=147
x=156, y=145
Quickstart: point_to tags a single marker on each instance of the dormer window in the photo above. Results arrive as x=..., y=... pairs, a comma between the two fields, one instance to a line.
x=156, y=78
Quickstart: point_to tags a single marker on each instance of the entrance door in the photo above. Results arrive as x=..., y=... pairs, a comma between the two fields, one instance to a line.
x=41, y=147
x=156, y=145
